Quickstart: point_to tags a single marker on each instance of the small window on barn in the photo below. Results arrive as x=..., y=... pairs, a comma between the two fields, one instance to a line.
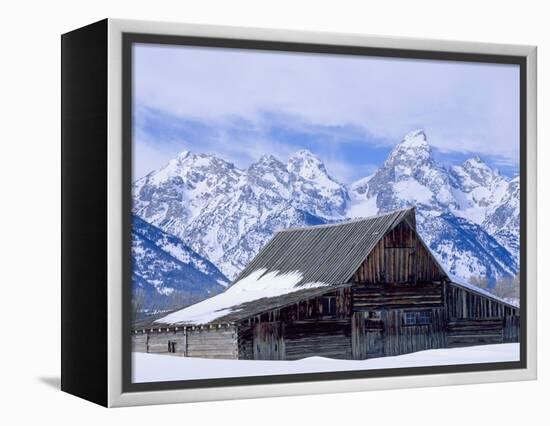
x=424, y=317
x=409, y=318
x=329, y=305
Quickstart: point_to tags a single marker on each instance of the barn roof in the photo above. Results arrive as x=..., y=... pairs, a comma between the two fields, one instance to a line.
x=295, y=264
x=326, y=253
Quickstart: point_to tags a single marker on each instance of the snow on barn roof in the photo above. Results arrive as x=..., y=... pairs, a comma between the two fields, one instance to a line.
x=294, y=265
x=251, y=296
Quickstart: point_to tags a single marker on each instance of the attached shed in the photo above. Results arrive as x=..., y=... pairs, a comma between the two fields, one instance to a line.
x=360, y=289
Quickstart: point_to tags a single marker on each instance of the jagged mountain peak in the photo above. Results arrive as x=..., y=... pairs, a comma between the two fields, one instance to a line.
x=413, y=150
x=309, y=166
x=267, y=160
x=186, y=160
x=410, y=174
x=202, y=160
x=477, y=165
x=476, y=159
x=304, y=153
x=416, y=138
x=313, y=189
x=270, y=174
x=189, y=157
x=183, y=155
x=193, y=167
x=268, y=164
x=474, y=173
x=306, y=164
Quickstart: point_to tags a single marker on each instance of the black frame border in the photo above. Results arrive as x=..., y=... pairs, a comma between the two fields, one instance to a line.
x=129, y=39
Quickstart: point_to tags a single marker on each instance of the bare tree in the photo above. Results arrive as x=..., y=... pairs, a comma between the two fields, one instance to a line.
x=506, y=288
x=481, y=282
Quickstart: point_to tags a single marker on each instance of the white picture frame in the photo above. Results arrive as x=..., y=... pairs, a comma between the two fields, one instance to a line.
x=116, y=394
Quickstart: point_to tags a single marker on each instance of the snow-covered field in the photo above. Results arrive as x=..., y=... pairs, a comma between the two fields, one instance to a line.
x=157, y=368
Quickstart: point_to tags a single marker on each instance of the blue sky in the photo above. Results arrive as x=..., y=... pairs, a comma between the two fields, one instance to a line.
x=349, y=111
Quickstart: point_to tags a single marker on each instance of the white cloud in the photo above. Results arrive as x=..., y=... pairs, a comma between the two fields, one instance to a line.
x=463, y=107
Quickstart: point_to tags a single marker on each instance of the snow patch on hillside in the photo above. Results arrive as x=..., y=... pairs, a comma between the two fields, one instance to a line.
x=363, y=208
x=411, y=190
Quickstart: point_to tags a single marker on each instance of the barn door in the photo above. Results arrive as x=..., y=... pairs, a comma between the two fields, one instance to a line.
x=268, y=341
x=374, y=334
x=375, y=343
x=367, y=335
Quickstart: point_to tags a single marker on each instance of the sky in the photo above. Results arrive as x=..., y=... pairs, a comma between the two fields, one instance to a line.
x=348, y=110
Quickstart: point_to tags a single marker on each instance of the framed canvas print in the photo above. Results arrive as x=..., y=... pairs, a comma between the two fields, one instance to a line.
x=252, y=212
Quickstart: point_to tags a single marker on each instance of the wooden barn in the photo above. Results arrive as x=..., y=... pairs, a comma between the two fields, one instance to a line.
x=360, y=289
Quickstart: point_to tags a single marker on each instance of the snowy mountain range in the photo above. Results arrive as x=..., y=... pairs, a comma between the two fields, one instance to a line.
x=468, y=214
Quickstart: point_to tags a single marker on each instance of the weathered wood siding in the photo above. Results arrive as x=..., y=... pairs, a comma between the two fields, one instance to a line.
x=268, y=342
x=139, y=341
x=399, y=257
x=464, y=303
x=389, y=335
x=214, y=342
x=326, y=338
x=475, y=319
x=294, y=340
x=245, y=344
x=511, y=332
x=401, y=338
x=399, y=276
x=392, y=296
x=299, y=330
x=202, y=342
x=471, y=332
x=157, y=340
